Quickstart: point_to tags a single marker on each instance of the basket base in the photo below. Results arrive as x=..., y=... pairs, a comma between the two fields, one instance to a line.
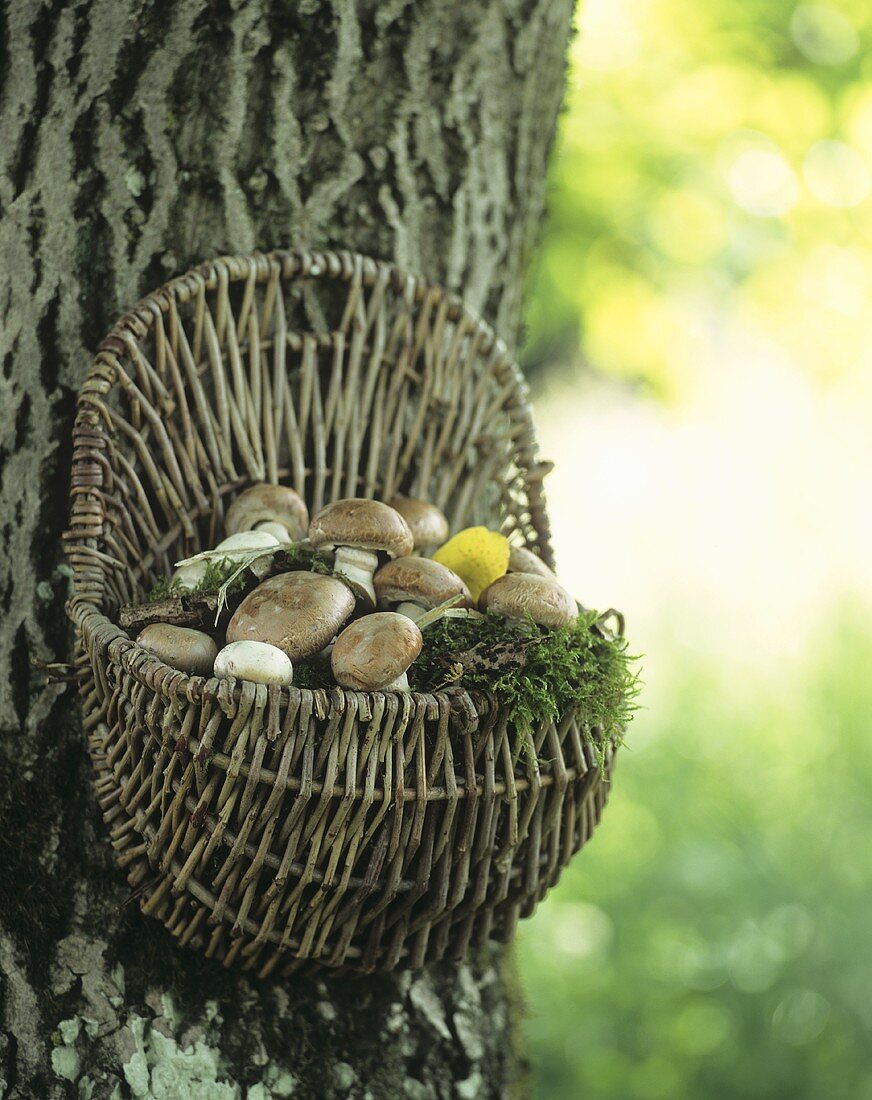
x=409, y=941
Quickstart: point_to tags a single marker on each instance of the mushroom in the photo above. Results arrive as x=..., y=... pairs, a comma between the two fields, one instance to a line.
x=257, y=661
x=374, y=652
x=517, y=595
x=428, y=525
x=236, y=549
x=188, y=577
x=269, y=508
x=523, y=560
x=180, y=647
x=278, y=531
x=478, y=556
x=299, y=612
x=359, y=529
x=412, y=586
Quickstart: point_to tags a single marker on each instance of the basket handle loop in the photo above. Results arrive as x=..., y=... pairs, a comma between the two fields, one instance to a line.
x=602, y=627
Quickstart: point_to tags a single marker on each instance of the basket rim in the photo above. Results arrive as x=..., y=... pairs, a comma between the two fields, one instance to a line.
x=289, y=264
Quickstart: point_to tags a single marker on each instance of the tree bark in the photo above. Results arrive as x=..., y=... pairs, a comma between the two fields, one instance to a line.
x=138, y=137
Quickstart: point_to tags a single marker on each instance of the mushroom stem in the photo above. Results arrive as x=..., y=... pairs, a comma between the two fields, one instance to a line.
x=440, y=611
x=413, y=611
x=400, y=684
x=277, y=530
x=416, y=611
x=357, y=567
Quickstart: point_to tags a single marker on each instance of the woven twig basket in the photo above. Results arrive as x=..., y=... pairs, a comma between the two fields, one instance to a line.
x=282, y=828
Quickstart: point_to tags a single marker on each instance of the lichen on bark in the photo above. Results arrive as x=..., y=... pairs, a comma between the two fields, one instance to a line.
x=137, y=137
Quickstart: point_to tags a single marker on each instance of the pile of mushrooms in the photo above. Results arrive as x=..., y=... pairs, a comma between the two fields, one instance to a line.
x=394, y=571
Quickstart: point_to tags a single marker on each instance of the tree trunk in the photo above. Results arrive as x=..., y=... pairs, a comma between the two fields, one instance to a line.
x=138, y=137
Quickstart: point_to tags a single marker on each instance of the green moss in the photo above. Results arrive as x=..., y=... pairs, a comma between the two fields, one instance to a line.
x=162, y=589
x=538, y=674
x=218, y=571
x=313, y=674
x=218, y=574
x=304, y=557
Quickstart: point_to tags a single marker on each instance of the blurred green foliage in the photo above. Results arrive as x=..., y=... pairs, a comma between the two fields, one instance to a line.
x=713, y=167
x=712, y=941
x=710, y=193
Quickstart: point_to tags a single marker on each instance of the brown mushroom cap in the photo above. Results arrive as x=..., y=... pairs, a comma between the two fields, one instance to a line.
x=375, y=650
x=523, y=560
x=180, y=647
x=362, y=524
x=519, y=594
x=427, y=523
x=421, y=581
x=265, y=503
x=298, y=612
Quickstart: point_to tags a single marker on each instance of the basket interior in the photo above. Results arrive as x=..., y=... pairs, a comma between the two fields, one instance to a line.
x=334, y=374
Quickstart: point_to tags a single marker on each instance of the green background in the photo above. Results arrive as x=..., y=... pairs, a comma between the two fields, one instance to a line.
x=699, y=346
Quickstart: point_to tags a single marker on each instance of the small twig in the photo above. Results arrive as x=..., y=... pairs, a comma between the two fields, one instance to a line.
x=224, y=587
x=193, y=610
x=601, y=627
x=436, y=613
x=137, y=893
x=207, y=555
x=454, y=673
x=58, y=672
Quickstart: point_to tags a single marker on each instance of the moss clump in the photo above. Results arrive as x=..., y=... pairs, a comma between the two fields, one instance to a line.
x=162, y=589
x=313, y=674
x=299, y=556
x=538, y=674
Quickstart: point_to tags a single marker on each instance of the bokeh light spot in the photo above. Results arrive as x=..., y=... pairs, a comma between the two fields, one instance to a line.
x=836, y=174
x=800, y=1017
x=688, y=226
x=763, y=183
x=609, y=37
x=823, y=34
x=702, y=1026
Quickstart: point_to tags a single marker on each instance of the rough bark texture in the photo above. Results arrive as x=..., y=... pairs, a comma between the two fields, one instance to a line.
x=138, y=136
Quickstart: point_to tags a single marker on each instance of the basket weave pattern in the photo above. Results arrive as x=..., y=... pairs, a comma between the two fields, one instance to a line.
x=286, y=828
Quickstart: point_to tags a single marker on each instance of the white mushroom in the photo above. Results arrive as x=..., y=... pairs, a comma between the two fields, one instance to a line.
x=187, y=577
x=259, y=662
x=237, y=547
x=277, y=530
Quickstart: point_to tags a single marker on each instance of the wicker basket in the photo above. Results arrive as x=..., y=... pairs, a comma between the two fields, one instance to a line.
x=285, y=828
